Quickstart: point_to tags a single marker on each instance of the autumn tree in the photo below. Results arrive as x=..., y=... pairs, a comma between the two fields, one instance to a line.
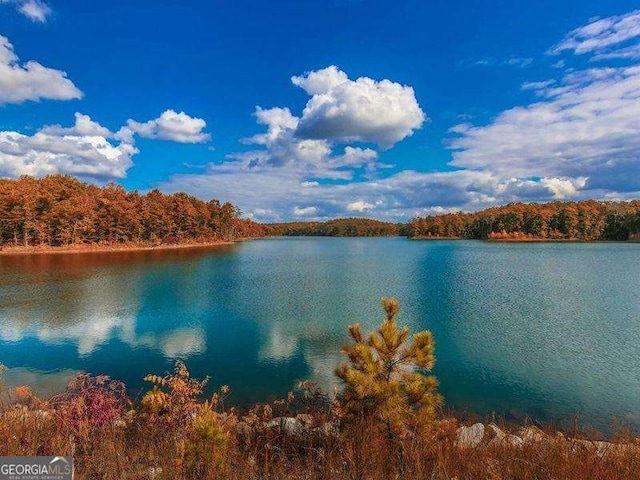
x=386, y=376
x=587, y=220
x=60, y=210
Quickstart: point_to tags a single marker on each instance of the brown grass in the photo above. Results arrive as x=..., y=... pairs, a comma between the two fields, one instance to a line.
x=172, y=435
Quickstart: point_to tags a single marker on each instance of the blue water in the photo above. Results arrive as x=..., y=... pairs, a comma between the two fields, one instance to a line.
x=540, y=330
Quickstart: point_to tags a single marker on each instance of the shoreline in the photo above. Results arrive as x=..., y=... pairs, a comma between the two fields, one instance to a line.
x=93, y=248
x=75, y=249
x=524, y=240
x=436, y=238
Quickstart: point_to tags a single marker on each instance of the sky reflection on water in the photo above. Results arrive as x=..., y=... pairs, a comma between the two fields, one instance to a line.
x=541, y=330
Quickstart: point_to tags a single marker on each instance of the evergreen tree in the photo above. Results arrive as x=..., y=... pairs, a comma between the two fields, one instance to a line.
x=385, y=377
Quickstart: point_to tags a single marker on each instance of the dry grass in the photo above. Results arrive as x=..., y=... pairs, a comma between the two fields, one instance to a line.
x=172, y=435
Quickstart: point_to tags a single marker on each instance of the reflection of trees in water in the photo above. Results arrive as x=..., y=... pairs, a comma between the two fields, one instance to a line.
x=79, y=263
x=88, y=307
x=515, y=325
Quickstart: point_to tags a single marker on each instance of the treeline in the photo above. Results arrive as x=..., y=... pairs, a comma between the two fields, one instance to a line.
x=343, y=227
x=586, y=220
x=59, y=210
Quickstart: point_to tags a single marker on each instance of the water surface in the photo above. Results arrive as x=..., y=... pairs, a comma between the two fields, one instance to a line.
x=545, y=330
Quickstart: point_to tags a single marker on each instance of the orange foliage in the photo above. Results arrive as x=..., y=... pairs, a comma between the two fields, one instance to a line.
x=587, y=220
x=59, y=210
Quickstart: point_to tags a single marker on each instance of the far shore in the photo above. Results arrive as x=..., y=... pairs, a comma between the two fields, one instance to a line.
x=527, y=240
x=128, y=247
x=435, y=238
x=94, y=248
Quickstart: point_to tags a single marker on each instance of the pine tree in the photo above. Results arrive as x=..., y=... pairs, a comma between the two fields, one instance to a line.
x=385, y=377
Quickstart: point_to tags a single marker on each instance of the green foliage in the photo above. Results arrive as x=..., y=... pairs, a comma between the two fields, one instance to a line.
x=207, y=442
x=342, y=227
x=385, y=377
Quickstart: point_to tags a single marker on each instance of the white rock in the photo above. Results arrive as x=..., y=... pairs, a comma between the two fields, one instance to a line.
x=497, y=431
x=532, y=434
x=606, y=448
x=288, y=425
x=515, y=441
x=469, y=437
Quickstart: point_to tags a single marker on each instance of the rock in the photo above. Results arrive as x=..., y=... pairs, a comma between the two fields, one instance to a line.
x=514, y=441
x=506, y=440
x=496, y=432
x=606, y=448
x=470, y=437
x=532, y=434
x=288, y=425
x=602, y=448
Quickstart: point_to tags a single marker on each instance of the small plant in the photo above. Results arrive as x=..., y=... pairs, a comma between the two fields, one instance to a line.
x=174, y=397
x=208, y=438
x=202, y=429
x=384, y=378
x=90, y=404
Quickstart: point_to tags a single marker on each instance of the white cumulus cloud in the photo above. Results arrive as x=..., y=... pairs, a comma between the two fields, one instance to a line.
x=84, y=150
x=360, y=206
x=84, y=127
x=365, y=110
x=31, y=80
x=586, y=126
x=578, y=137
x=88, y=149
x=304, y=211
x=171, y=125
x=562, y=189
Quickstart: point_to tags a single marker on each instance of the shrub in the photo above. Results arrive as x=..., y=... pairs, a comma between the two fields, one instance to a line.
x=384, y=378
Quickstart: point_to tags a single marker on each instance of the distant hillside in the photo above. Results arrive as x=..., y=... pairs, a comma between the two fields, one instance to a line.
x=587, y=220
x=343, y=227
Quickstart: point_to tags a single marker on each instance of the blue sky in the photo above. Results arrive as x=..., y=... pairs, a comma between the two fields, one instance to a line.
x=318, y=109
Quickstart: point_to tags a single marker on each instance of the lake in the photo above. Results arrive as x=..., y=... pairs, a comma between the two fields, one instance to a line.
x=544, y=330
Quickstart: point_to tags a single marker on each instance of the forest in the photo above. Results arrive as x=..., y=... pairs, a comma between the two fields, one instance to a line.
x=587, y=220
x=342, y=227
x=59, y=210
